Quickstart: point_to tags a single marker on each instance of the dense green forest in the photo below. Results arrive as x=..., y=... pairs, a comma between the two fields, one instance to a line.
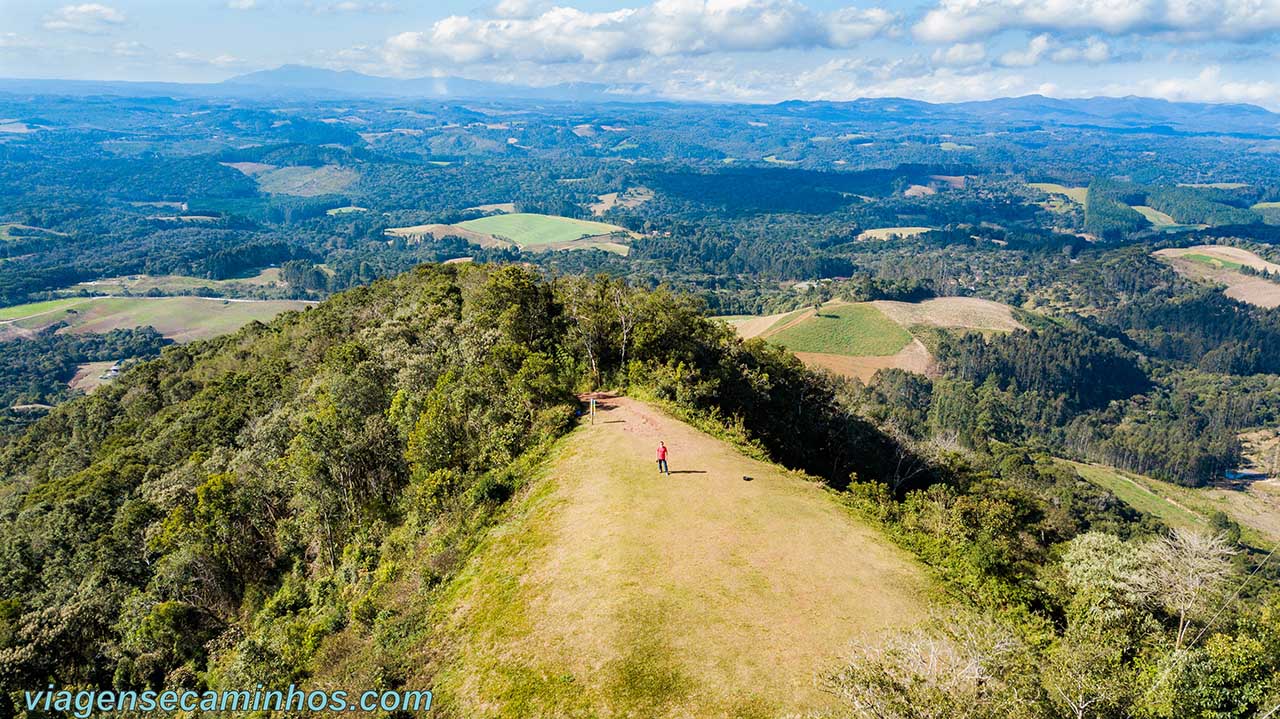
x=230, y=511
x=209, y=519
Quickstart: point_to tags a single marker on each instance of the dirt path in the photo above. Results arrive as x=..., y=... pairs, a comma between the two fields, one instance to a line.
x=624, y=593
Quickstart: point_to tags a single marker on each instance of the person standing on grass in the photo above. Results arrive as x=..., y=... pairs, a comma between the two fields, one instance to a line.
x=662, y=459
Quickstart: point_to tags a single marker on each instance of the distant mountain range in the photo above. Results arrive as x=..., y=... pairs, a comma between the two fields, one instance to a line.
x=1139, y=114
x=294, y=81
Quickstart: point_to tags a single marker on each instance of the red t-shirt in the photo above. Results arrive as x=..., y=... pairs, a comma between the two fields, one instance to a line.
x=662, y=452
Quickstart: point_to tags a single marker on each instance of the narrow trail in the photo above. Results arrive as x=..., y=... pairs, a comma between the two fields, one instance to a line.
x=624, y=592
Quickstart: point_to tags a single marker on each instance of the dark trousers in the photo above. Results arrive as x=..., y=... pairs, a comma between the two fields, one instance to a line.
x=662, y=466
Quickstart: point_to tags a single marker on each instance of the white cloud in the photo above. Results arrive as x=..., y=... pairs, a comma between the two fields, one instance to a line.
x=1093, y=51
x=664, y=28
x=242, y=4
x=907, y=79
x=86, y=18
x=352, y=6
x=961, y=54
x=186, y=58
x=955, y=20
x=129, y=48
x=519, y=9
x=1029, y=56
x=1207, y=86
x=1044, y=46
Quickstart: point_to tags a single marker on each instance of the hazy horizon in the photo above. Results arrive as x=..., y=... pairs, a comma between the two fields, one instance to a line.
x=716, y=50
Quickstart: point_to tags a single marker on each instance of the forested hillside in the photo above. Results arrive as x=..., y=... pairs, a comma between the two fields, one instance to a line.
x=253, y=508
x=212, y=516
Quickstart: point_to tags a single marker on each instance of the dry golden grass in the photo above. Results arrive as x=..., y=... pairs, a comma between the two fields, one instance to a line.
x=889, y=233
x=1224, y=252
x=912, y=358
x=88, y=376
x=951, y=312
x=437, y=231
x=496, y=207
x=1246, y=288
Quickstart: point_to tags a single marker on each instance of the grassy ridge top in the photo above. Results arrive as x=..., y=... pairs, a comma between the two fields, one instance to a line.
x=621, y=592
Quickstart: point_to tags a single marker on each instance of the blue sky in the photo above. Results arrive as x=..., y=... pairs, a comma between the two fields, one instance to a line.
x=749, y=50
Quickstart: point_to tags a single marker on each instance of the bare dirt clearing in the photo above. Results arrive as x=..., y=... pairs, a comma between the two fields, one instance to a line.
x=1252, y=289
x=914, y=357
x=437, y=231
x=952, y=312
x=955, y=313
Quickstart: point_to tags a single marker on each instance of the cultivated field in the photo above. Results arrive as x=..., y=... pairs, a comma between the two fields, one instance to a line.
x=1270, y=212
x=345, y=210
x=179, y=318
x=856, y=340
x=1256, y=507
x=252, y=169
x=436, y=231
x=138, y=284
x=914, y=357
x=889, y=233
x=495, y=207
x=528, y=229
x=952, y=313
x=632, y=197
x=12, y=230
x=1221, y=264
x=307, y=181
x=35, y=309
x=616, y=592
x=1155, y=217
x=1078, y=195
x=846, y=329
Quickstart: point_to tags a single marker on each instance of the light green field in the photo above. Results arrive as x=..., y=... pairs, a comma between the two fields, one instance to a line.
x=1214, y=262
x=527, y=229
x=1079, y=195
x=1270, y=212
x=138, y=284
x=1155, y=217
x=855, y=330
x=6, y=229
x=955, y=147
x=1216, y=185
x=345, y=210
x=1257, y=508
x=307, y=181
x=18, y=312
x=774, y=159
x=179, y=318
x=888, y=233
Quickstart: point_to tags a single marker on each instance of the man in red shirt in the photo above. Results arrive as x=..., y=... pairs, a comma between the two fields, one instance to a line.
x=662, y=460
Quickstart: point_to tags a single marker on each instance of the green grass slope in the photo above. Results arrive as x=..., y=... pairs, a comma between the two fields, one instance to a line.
x=855, y=329
x=1256, y=508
